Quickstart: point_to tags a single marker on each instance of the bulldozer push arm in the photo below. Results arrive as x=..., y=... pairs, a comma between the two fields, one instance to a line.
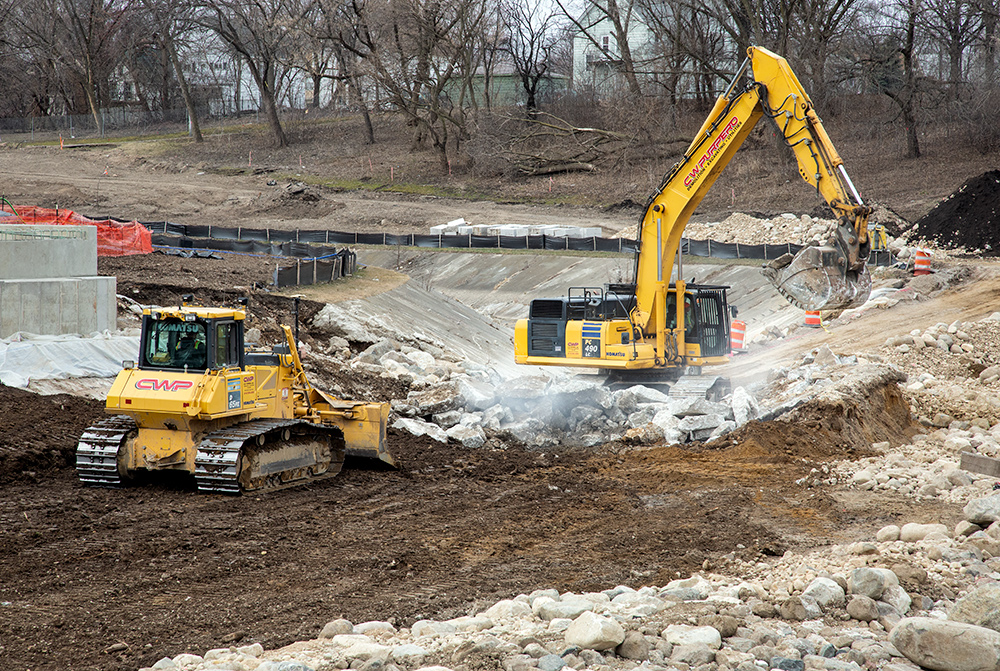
x=826, y=277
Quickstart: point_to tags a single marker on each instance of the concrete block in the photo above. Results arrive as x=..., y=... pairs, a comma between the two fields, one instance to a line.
x=58, y=306
x=36, y=252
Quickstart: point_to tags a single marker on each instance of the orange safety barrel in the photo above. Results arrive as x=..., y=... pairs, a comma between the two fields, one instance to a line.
x=737, y=334
x=812, y=319
x=922, y=263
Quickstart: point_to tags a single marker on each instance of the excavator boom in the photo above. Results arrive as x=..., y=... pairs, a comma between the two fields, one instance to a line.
x=833, y=275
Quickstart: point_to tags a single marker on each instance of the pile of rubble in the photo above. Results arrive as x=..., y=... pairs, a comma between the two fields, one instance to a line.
x=452, y=398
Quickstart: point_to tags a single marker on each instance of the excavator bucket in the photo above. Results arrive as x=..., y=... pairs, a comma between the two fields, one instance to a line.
x=815, y=279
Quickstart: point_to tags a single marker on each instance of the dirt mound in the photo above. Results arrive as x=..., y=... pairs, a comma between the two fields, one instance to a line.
x=39, y=433
x=968, y=217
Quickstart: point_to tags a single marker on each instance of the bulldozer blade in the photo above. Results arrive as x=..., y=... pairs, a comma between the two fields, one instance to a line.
x=815, y=279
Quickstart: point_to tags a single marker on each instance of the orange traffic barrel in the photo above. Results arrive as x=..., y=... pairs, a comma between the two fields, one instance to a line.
x=922, y=263
x=812, y=319
x=737, y=334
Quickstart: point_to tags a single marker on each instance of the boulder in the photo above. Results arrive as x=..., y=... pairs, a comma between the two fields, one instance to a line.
x=635, y=647
x=871, y=582
x=478, y=395
x=944, y=645
x=335, y=320
x=594, y=632
x=981, y=606
x=913, y=532
x=862, y=608
x=471, y=437
x=826, y=592
x=508, y=608
x=436, y=399
x=683, y=634
x=744, y=406
x=419, y=427
x=983, y=511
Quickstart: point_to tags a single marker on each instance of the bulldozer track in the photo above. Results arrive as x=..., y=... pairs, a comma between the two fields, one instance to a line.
x=97, y=451
x=217, y=462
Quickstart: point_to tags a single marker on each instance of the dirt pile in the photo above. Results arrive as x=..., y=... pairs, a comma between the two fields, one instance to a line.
x=39, y=433
x=968, y=217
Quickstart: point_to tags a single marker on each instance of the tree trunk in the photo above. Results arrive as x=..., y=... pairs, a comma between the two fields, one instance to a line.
x=265, y=84
x=317, y=82
x=194, y=130
x=989, y=48
x=355, y=92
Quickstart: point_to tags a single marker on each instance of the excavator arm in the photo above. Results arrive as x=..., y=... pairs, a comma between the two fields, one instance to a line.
x=824, y=277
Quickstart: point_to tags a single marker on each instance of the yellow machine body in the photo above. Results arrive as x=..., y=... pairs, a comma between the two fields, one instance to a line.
x=188, y=416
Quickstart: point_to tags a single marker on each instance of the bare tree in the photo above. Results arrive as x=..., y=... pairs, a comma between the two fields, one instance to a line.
x=534, y=34
x=173, y=20
x=417, y=52
x=618, y=15
x=954, y=25
x=84, y=41
x=889, y=62
x=262, y=33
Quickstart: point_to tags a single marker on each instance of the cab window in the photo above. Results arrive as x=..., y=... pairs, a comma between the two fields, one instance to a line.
x=226, y=353
x=174, y=343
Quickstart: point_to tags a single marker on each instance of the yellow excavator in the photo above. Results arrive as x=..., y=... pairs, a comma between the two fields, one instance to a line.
x=198, y=401
x=636, y=331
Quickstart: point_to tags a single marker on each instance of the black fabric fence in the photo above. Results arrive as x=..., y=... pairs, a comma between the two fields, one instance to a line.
x=318, y=243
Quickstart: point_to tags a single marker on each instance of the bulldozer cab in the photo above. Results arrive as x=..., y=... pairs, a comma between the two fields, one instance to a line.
x=185, y=340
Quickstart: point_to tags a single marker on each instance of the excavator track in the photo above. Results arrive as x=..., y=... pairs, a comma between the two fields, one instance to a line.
x=97, y=451
x=262, y=455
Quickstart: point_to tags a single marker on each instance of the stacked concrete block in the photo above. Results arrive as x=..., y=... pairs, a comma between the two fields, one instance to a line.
x=49, y=283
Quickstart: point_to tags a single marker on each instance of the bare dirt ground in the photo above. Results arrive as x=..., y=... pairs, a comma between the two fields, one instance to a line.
x=163, y=570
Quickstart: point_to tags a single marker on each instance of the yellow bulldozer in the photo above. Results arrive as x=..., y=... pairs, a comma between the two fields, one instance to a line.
x=197, y=401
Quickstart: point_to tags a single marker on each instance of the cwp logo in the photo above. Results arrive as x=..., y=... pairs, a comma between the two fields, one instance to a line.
x=153, y=384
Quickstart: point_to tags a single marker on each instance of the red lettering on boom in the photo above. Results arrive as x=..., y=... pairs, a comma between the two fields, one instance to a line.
x=711, y=152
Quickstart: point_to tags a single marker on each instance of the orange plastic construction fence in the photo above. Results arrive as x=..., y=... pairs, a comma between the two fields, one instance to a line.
x=114, y=238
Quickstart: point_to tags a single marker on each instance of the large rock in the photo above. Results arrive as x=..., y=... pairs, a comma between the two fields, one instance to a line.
x=419, y=427
x=871, y=582
x=525, y=388
x=981, y=606
x=913, y=532
x=826, y=592
x=744, y=406
x=943, y=645
x=335, y=320
x=683, y=634
x=983, y=511
x=635, y=647
x=629, y=400
x=571, y=609
x=594, y=632
x=438, y=398
x=506, y=609
x=478, y=395
x=862, y=608
x=471, y=437
x=896, y=596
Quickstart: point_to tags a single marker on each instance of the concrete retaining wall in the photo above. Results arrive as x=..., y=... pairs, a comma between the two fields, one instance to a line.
x=49, y=283
x=58, y=306
x=36, y=252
